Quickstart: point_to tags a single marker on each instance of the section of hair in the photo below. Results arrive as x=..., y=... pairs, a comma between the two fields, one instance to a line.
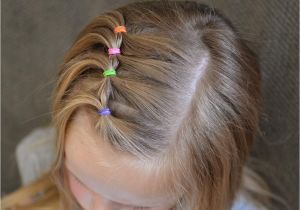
x=186, y=96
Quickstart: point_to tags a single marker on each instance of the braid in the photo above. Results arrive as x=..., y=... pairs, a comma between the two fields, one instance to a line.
x=106, y=90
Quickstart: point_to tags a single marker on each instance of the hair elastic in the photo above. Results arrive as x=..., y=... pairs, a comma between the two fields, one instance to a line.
x=104, y=111
x=114, y=51
x=109, y=72
x=120, y=29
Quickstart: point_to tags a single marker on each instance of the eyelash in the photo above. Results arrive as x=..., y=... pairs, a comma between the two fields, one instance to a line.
x=77, y=180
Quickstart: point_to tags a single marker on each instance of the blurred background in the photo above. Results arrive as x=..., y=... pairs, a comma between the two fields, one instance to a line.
x=36, y=34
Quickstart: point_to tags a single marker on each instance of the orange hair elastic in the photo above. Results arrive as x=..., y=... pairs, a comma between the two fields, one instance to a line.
x=120, y=29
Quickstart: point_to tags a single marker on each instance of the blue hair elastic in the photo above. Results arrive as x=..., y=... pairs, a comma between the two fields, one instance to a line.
x=104, y=111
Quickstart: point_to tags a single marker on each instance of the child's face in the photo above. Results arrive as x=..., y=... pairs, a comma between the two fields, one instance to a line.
x=108, y=181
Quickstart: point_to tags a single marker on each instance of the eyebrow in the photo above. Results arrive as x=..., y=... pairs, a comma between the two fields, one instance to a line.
x=87, y=187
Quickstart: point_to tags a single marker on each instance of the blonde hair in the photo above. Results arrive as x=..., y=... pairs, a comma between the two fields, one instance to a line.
x=41, y=194
x=187, y=91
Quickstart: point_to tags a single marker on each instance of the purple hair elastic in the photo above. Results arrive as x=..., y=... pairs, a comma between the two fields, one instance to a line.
x=104, y=111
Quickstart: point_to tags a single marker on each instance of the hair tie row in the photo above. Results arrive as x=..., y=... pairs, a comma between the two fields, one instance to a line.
x=112, y=71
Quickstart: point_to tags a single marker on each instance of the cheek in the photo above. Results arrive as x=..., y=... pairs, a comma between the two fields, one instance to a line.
x=82, y=195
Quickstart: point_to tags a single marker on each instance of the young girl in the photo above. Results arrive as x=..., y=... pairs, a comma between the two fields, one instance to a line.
x=156, y=107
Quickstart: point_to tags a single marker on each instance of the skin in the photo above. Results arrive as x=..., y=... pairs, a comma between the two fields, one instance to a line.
x=101, y=178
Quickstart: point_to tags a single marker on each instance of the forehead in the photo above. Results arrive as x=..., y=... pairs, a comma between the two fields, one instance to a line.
x=108, y=172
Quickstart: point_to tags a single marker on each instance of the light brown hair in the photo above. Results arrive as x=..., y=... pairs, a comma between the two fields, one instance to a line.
x=187, y=91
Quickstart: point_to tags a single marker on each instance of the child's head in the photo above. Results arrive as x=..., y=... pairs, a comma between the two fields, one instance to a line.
x=184, y=110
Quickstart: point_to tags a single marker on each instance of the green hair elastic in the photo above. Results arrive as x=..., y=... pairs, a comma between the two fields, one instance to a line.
x=109, y=72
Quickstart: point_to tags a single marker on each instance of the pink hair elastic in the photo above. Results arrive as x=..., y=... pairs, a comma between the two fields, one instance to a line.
x=114, y=51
